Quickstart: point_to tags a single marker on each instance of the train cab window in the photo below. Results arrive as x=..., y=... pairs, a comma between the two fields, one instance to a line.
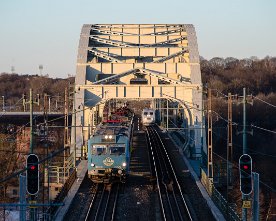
x=117, y=150
x=99, y=150
x=151, y=113
x=145, y=113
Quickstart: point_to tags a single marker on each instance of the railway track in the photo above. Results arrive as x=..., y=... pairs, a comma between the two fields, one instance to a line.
x=81, y=201
x=104, y=203
x=173, y=205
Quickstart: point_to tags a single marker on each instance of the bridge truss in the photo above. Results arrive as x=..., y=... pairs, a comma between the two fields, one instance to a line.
x=165, y=56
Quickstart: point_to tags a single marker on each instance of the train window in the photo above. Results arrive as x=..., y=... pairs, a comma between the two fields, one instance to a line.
x=117, y=150
x=151, y=113
x=99, y=150
x=145, y=113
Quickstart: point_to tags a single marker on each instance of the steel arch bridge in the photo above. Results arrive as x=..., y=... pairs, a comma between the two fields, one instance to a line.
x=165, y=56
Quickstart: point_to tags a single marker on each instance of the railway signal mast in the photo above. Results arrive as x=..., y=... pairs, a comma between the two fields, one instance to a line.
x=32, y=182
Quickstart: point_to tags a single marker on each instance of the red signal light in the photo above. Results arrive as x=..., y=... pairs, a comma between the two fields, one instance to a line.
x=32, y=174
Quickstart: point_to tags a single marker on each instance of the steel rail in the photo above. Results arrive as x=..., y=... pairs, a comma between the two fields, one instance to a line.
x=91, y=204
x=157, y=177
x=100, y=203
x=170, y=180
x=112, y=215
x=106, y=205
x=161, y=155
x=176, y=180
x=164, y=177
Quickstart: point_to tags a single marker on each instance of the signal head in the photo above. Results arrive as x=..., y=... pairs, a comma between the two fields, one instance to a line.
x=245, y=166
x=32, y=177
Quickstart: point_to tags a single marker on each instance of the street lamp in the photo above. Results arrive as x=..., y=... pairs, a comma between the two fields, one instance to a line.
x=3, y=107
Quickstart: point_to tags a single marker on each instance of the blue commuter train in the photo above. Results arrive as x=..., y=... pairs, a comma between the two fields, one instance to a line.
x=109, y=150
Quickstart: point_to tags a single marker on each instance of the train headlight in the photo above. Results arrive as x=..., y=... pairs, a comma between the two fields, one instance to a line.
x=92, y=164
x=110, y=136
x=124, y=164
x=106, y=136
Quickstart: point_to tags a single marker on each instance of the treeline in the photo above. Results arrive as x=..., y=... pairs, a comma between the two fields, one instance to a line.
x=13, y=86
x=232, y=75
x=258, y=76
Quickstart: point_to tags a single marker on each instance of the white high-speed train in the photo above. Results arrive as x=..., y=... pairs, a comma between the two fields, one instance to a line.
x=148, y=116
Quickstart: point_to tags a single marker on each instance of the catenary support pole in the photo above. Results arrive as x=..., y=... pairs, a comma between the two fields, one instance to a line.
x=167, y=114
x=229, y=144
x=75, y=124
x=22, y=197
x=31, y=121
x=244, y=139
x=256, y=203
x=244, y=149
x=210, y=140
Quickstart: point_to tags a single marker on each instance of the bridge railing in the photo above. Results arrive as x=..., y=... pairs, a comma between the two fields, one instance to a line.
x=61, y=195
x=59, y=173
x=228, y=212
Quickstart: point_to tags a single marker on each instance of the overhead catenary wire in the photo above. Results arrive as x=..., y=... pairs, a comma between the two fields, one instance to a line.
x=55, y=119
x=219, y=92
x=271, y=188
x=233, y=123
x=261, y=128
x=18, y=130
x=237, y=167
x=251, y=151
x=237, y=145
x=272, y=105
x=5, y=112
x=51, y=155
x=261, y=153
x=48, y=121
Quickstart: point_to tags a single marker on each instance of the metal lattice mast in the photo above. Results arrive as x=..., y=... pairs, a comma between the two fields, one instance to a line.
x=229, y=143
x=66, y=107
x=210, y=140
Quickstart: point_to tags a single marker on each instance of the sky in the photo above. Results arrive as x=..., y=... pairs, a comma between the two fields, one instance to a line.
x=46, y=32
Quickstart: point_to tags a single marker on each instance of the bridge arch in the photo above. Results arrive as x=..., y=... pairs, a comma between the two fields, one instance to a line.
x=166, y=55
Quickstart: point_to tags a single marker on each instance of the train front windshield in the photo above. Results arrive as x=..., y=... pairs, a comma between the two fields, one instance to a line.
x=99, y=150
x=117, y=150
x=148, y=113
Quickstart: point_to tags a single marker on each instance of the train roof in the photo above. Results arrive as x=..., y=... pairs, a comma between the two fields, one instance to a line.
x=112, y=128
x=148, y=109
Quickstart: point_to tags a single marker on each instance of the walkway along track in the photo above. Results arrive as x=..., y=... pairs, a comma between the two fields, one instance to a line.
x=104, y=203
x=172, y=202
